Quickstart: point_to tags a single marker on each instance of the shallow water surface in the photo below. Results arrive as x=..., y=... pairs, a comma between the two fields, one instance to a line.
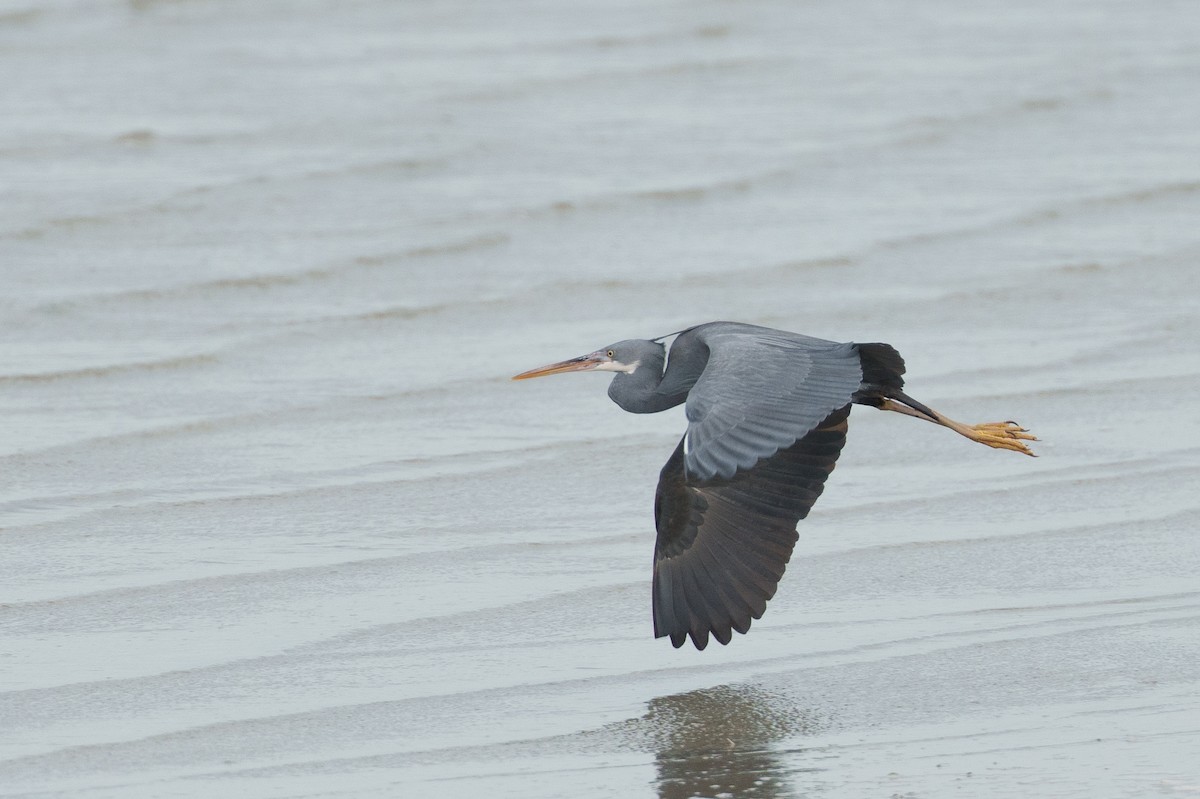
x=276, y=523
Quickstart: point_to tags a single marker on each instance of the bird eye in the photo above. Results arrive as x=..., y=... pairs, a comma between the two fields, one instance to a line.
x=610, y=353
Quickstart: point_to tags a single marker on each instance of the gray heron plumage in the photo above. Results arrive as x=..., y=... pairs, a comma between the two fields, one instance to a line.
x=767, y=415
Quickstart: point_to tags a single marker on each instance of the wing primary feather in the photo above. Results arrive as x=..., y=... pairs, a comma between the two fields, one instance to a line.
x=662, y=606
x=711, y=595
x=702, y=612
x=683, y=615
x=728, y=600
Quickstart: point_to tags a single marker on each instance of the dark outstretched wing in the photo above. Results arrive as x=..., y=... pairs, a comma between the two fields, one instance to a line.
x=723, y=544
x=760, y=391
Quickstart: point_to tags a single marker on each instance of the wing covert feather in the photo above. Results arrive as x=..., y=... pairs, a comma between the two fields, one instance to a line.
x=760, y=391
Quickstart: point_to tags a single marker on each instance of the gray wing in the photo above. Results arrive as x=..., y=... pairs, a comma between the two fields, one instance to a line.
x=723, y=545
x=761, y=391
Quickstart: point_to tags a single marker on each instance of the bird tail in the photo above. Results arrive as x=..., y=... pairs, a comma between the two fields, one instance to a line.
x=882, y=366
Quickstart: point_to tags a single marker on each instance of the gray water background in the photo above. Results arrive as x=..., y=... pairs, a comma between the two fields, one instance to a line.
x=275, y=523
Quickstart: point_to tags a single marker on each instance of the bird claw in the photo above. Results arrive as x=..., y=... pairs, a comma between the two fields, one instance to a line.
x=1003, y=435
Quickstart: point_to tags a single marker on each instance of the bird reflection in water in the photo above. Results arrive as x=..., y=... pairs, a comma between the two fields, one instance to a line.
x=718, y=742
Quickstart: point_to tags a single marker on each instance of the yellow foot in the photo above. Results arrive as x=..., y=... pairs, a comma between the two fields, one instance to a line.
x=1001, y=435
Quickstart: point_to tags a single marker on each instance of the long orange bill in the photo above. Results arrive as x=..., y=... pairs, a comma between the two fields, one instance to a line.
x=580, y=364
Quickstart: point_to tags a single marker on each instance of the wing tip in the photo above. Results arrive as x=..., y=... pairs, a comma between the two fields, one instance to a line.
x=700, y=636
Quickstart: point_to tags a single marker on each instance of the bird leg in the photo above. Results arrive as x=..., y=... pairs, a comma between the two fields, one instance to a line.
x=1001, y=435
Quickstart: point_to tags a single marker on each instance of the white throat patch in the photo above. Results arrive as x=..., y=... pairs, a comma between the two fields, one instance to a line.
x=617, y=366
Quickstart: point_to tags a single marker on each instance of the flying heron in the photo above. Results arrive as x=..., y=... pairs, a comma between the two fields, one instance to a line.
x=767, y=415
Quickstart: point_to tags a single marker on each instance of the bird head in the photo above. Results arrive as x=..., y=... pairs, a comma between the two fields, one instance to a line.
x=623, y=356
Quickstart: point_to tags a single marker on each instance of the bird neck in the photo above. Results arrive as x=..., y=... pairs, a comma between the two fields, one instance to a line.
x=637, y=391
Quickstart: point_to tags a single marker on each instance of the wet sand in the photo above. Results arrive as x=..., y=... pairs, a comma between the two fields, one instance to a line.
x=276, y=523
